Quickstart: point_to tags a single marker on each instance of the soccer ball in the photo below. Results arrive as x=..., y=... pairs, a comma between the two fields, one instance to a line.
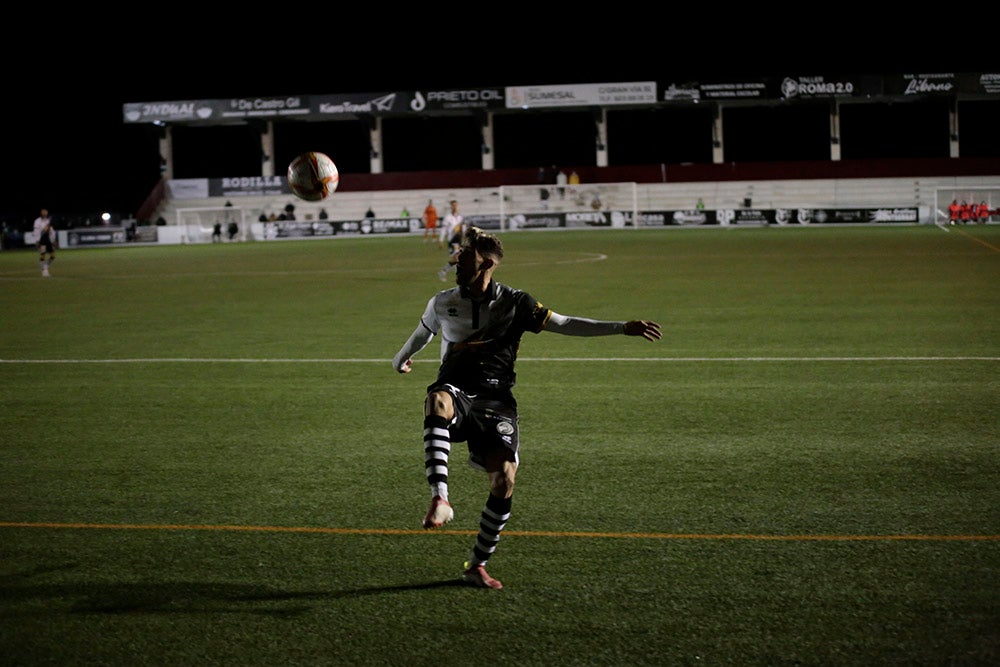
x=313, y=176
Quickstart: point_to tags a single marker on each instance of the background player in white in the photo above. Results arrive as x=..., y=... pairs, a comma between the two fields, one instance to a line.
x=453, y=231
x=45, y=241
x=481, y=323
x=452, y=220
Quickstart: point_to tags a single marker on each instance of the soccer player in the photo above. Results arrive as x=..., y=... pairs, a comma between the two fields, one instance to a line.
x=45, y=241
x=451, y=221
x=430, y=218
x=453, y=230
x=481, y=322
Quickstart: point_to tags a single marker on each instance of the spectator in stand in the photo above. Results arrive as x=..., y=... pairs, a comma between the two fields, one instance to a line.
x=45, y=241
x=430, y=219
x=561, y=181
x=954, y=212
x=370, y=214
x=323, y=215
x=405, y=213
x=574, y=178
x=543, y=190
x=700, y=205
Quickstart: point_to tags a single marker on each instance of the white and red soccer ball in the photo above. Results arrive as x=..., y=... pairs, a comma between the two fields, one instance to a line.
x=313, y=176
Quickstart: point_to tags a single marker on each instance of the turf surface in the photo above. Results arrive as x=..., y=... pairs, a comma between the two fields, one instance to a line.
x=207, y=458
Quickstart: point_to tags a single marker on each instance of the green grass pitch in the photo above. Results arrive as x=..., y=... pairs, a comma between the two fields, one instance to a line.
x=206, y=457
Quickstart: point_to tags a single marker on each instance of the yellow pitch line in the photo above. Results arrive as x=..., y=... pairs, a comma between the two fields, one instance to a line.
x=521, y=533
x=978, y=240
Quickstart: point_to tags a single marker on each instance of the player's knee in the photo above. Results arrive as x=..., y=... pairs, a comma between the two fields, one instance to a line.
x=502, y=481
x=502, y=486
x=439, y=403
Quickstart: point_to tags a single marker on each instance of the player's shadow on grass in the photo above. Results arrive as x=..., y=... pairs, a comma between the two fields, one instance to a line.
x=187, y=597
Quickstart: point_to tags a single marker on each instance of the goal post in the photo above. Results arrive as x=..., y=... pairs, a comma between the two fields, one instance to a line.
x=198, y=224
x=570, y=205
x=982, y=197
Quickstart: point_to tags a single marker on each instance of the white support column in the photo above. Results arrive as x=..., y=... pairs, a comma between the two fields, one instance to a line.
x=602, y=138
x=375, y=138
x=835, y=130
x=717, y=153
x=267, y=150
x=166, y=153
x=487, y=130
x=953, y=124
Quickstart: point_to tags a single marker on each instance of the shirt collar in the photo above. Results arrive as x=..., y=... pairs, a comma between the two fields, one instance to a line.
x=489, y=295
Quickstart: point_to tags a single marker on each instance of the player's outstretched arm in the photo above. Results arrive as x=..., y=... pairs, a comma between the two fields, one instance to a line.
x=645, y=328
x=403, y=361
x=570, y=325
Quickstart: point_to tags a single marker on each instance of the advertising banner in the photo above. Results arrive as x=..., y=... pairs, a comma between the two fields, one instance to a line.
x=782, y=88
x=95, y=236
x=487, y=222
x=170, y=112
x=581, y=95
x=829, y=87
x=362, y=103
x=735, y=90
x=451, y=100
x=263, y=107
x=569, y=220
x=290, y=229
x=921, y=84
x=283, y=229
x=826, y=216
x=682, y=218
x=782, y=216
x=979, y=84
x=248, y=185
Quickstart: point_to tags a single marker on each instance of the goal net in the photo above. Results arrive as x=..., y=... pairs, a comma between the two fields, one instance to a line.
x=199, y=224
x=981, y=205
x=576, y=205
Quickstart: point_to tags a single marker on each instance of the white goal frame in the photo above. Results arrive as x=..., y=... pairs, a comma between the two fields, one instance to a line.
x=197, y=223
x=971, y=194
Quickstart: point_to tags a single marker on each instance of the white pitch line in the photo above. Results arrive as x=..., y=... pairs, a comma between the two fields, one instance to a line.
x=182, y=360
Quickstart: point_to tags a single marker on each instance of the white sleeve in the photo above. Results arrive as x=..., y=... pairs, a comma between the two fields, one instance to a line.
x=582, y=326
x=420, y=337
x=417, y=341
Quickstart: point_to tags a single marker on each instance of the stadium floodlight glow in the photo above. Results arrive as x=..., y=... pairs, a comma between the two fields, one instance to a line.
x=106, y=217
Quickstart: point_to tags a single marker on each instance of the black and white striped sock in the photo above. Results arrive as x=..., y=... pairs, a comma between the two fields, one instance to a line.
x=491, y=523
x=437, y=447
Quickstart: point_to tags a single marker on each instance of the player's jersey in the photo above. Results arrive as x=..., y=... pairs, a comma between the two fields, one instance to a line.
x=430, y=216
x=480, y=339
x=453, y=225
x=42, y=227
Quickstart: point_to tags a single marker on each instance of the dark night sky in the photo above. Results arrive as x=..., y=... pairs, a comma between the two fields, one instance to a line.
x=67, y=149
